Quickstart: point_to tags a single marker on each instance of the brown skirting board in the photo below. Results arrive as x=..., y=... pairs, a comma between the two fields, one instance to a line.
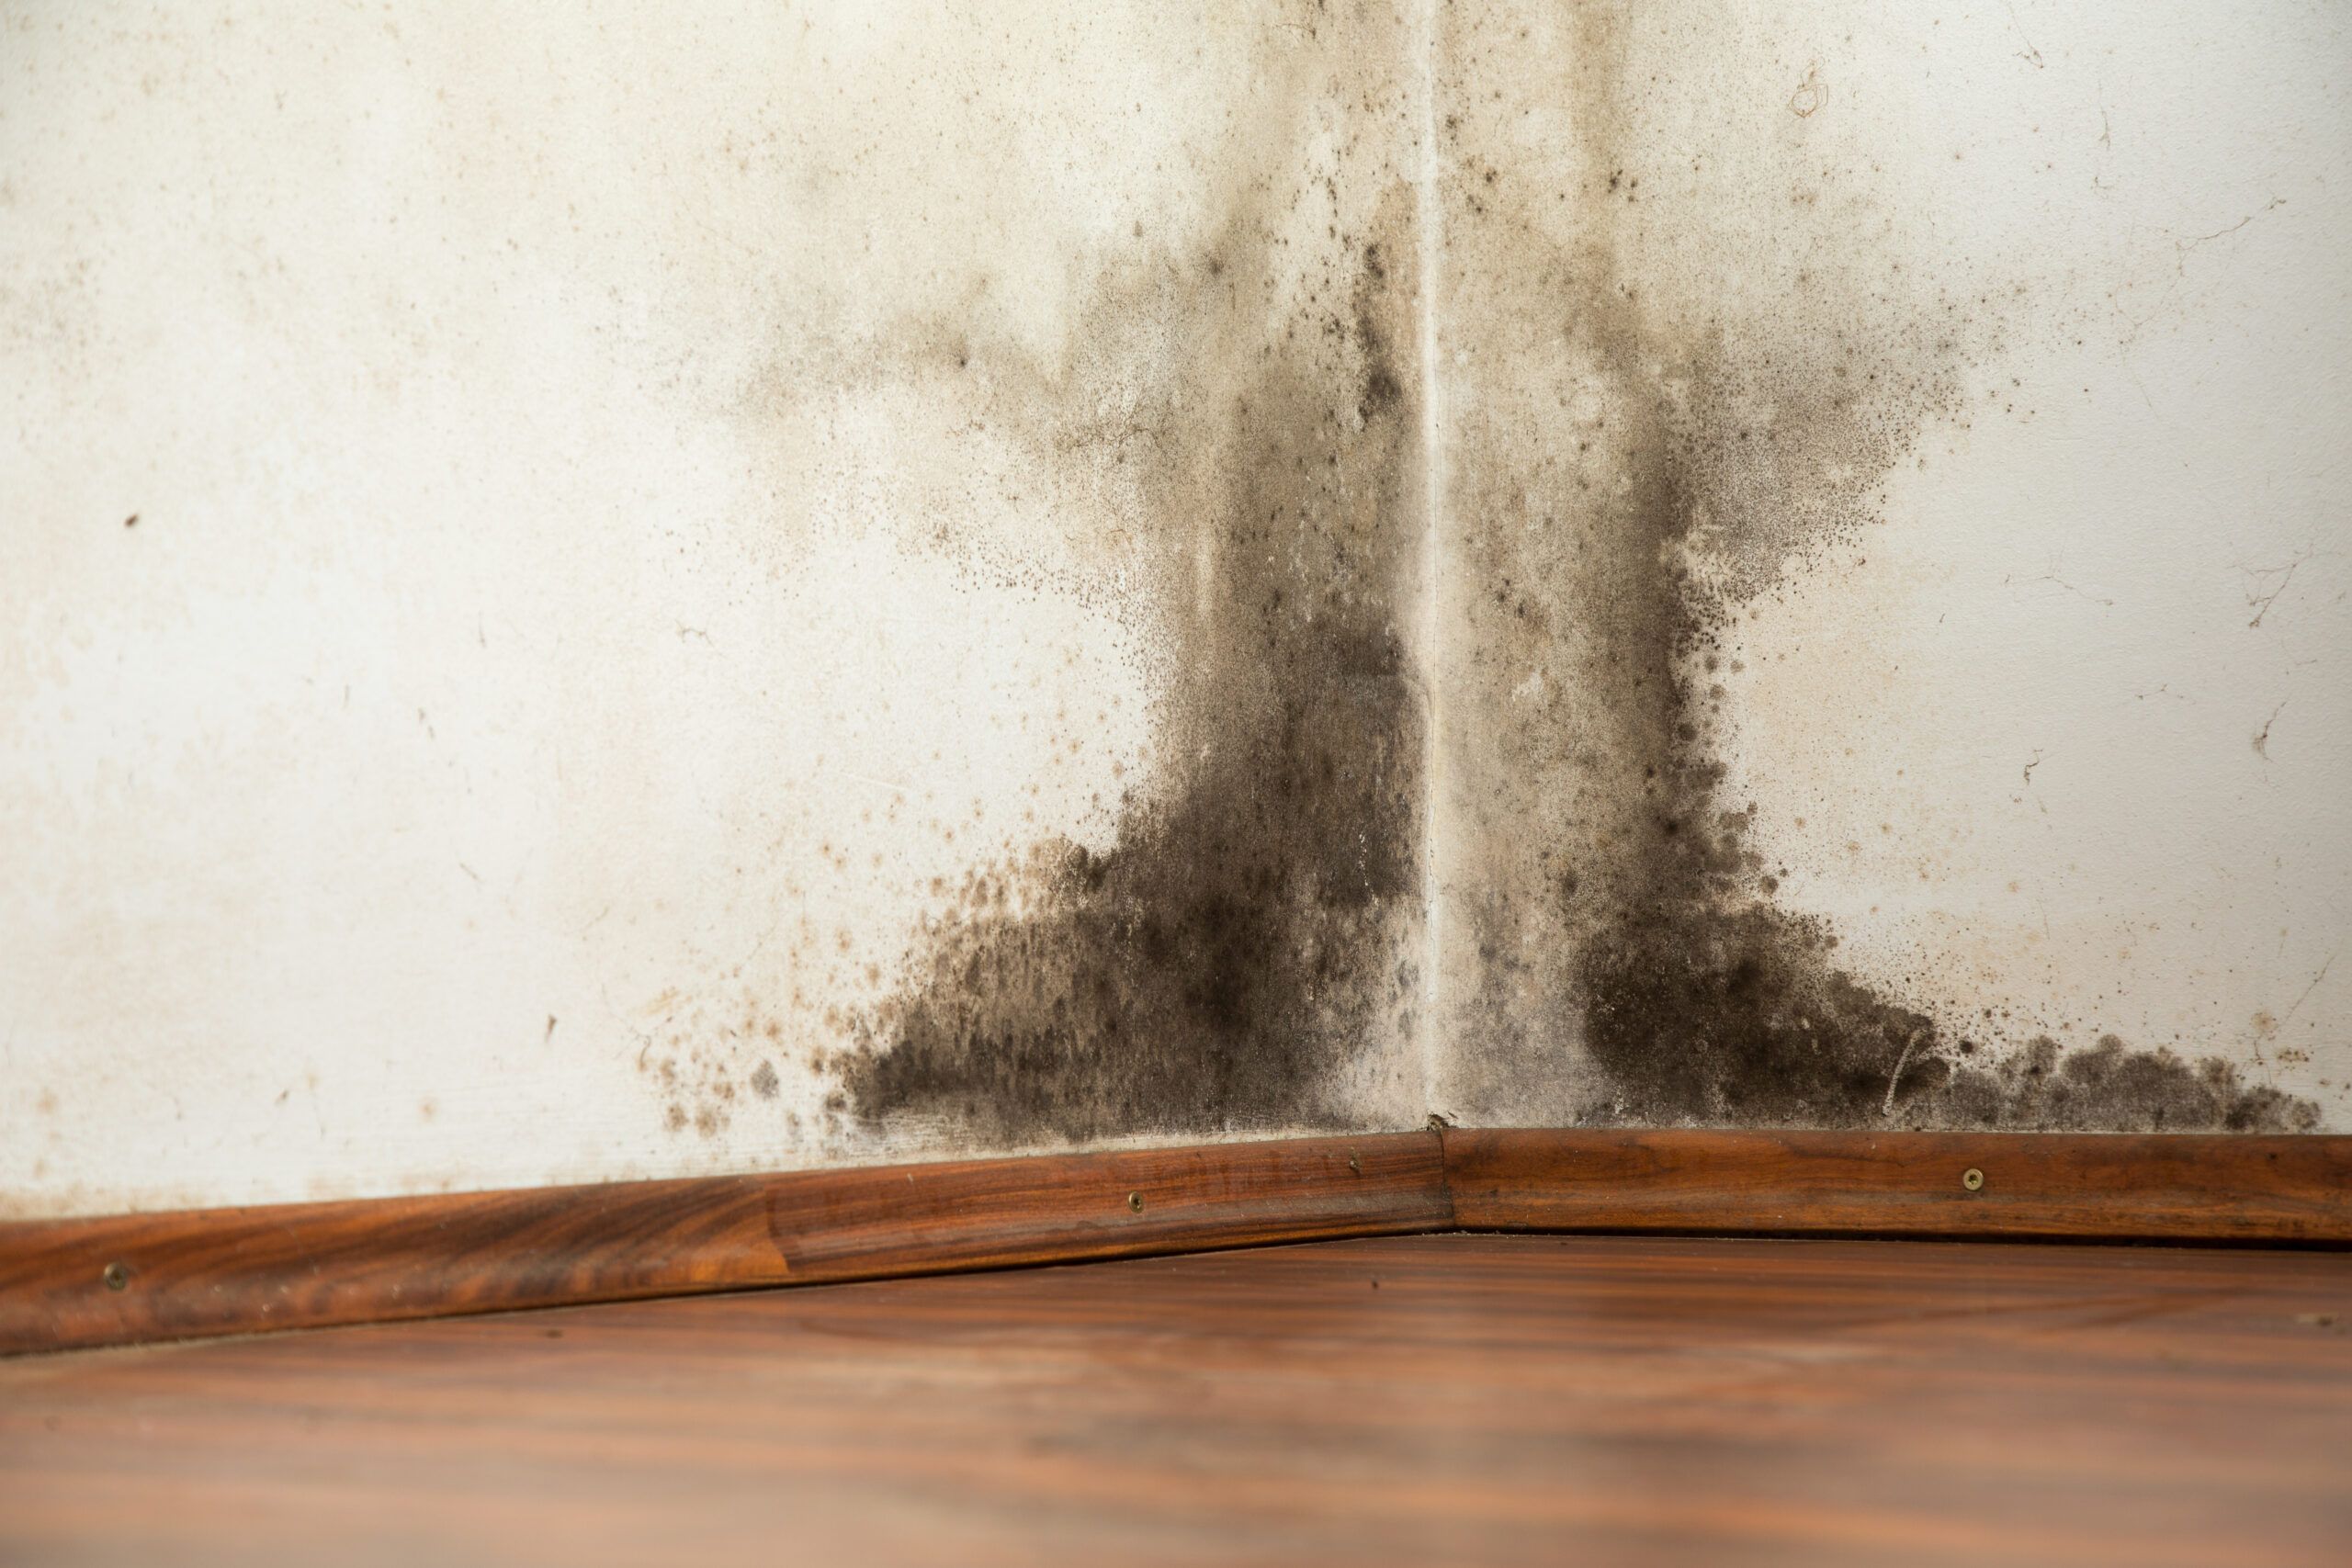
x=138, y=1277
x=125, y=1279
x=2075, y=1186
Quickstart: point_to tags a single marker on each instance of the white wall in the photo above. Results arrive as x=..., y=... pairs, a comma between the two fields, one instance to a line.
x=581, y=614
x=634, y=510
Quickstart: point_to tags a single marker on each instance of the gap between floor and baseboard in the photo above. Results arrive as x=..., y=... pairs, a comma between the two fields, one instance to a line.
x=131, y=1278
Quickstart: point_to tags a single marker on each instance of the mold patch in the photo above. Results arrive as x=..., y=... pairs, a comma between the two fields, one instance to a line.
x=1668, y=413
x=1243, y=956
x=1700, y=999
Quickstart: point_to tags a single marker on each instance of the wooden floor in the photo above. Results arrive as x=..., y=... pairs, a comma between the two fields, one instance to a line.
x=1423, y=1400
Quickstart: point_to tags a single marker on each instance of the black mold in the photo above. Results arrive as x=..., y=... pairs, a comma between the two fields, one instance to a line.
x=1248, y=938
x=1707, y=455
x=1248, y=933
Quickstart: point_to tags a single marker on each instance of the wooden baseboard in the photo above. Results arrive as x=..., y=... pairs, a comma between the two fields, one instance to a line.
x=2112, y=1187
x=126, y=1278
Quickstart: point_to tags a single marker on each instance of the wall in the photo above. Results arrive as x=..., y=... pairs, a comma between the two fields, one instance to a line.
x=587, y=598
x=1894, y=533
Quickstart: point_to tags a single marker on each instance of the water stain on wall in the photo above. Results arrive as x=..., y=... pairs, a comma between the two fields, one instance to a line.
x=1244, y=953
x=1640, y=462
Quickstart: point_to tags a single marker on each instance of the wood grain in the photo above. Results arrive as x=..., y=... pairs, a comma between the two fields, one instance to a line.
x=2220, y=1188
x=236, y=1271
x=1425, y=1400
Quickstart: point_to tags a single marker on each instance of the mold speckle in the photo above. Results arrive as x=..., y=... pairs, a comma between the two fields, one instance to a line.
x=689, y=1058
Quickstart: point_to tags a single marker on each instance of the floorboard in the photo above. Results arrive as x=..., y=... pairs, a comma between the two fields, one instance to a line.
x=1426, y=1399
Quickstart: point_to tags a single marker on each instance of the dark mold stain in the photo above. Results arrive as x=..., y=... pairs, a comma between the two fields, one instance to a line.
x=1245, y=934
x=1700, y=999
x=1713, y=449
x=1631, y=461
x=1250, y=939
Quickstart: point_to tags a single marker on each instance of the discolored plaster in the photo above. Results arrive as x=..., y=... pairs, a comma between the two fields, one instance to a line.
x=1246, y=953
x=942, y=579
x=1683, y=388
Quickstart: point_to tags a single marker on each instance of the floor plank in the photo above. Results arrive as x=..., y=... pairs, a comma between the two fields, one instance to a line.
x=1431, y=1399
